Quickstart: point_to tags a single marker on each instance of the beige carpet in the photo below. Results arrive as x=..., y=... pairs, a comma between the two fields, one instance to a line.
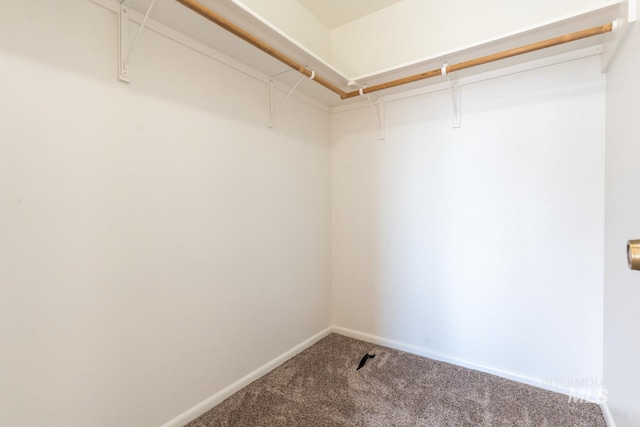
x=321, y=387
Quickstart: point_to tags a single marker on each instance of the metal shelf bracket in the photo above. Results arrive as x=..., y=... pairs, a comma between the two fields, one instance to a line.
x=379, y=113
x=123, y=43
x=124, y=47
x=382, y=125
x=272, y=104
x=456, y=99
x=273, y=108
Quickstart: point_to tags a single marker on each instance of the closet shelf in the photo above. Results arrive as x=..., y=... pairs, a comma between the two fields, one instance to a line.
x=184, y=20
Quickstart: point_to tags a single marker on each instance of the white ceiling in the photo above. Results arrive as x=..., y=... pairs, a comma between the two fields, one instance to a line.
x=333, y=13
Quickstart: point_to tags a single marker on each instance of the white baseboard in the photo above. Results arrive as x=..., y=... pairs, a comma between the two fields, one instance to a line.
x=607, y=415
x=217, y=398
x=223, y=394
x=420, y=351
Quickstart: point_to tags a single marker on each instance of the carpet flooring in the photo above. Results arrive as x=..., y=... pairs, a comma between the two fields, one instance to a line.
x=321, y=387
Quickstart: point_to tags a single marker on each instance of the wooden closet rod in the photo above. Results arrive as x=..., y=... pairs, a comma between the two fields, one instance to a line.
x=601, y=29
x=239, y=32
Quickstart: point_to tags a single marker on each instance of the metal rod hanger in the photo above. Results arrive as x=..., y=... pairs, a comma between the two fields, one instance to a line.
x=249, y=38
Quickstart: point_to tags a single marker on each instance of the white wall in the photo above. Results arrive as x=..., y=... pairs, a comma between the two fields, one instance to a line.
x=157, y=240
x=482, y=244
x=413, y=29
x=129, y=215
x=296, y=21
x=622, y=286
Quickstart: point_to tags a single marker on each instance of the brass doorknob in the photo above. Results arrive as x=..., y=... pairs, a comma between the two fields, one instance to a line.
x=633, y=254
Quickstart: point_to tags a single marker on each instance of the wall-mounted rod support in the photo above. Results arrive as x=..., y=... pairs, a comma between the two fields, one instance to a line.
x=124, y=48
x=271, y=96
x=142, y=25
x=123, y=43
x=249, y=38
x=456, y=101
x=578, y=35
x=454, y=90
x=382, y=120
x=379, y=114
x=273, y=109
